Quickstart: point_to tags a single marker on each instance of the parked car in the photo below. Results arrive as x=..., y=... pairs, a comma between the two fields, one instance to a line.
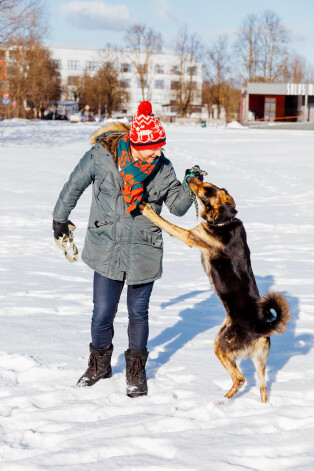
x=55, y=115
x=77, y=118
x=121, y=119
x=90, y=117
x=48, y=115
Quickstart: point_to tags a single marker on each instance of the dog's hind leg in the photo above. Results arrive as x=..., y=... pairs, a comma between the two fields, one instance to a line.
x=231, y=366
x=259, y=358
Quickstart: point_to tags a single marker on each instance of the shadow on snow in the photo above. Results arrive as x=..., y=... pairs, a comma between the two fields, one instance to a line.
x=210, y=313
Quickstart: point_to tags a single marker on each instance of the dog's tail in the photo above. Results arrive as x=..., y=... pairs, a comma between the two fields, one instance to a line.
x=278, y=303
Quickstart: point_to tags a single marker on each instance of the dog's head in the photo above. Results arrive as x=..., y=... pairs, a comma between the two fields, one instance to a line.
x=217, y=205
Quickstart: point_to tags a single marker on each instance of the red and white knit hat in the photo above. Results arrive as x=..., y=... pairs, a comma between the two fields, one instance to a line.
x=146, y=131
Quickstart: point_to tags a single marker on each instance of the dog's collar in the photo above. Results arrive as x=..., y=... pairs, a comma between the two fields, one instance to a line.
x=222, y=223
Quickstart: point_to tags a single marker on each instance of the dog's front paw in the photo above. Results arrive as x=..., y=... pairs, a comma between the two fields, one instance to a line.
x=145, y=209
x=141, y=206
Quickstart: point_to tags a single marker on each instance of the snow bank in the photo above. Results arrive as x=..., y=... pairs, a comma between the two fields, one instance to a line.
x=235, y=125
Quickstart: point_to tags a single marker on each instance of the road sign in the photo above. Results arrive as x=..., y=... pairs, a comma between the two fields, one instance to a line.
x=5, y=101
x=87, y=107
x=6, y=94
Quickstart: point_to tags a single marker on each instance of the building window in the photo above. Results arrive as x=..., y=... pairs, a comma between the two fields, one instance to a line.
x=159, y=69
x=73, y=65
x=193, y=86
x=73, y=80
x=12, y=55
x=192, y=70
x=125, y=68
x=57, y=63
x=90, y=65
x=126, y=83
x=159, y=84
x=175, y=84
x=109, y=65
x=139, y=85
x=175, y=69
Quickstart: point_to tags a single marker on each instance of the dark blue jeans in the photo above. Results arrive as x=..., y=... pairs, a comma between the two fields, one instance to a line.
x=106, y=299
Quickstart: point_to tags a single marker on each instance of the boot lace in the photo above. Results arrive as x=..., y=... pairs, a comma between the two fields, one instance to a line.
x=136, y=367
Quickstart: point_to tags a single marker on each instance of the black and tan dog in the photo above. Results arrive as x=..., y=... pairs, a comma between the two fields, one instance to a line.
x=226, y=260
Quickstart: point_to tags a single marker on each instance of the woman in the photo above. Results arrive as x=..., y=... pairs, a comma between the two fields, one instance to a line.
x=124, y=165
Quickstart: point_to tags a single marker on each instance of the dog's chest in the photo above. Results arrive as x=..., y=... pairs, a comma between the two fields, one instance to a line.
x=206, y=261
x=206, y=256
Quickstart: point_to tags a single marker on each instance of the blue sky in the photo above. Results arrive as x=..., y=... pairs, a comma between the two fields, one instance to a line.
x=95, y=23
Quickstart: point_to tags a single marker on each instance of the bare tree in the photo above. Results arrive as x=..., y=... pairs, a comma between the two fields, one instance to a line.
x=218, y=61
x=310, y=73
x=231, y=92
x=295, y=68
x=142, y=44
x=188, y=50
x=247, y=47
x=34, y=79
x=208, y=96
x=21, y=19
x=103, y=92
x=43, y=80
x=261, y=46
x=232, y=100
x=299, y=69
x=274, y=39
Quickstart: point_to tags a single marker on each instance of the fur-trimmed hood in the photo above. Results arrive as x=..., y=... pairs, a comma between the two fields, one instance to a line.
x=109, y=136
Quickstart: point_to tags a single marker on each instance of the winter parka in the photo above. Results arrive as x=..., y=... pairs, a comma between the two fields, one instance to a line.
x=118, y=244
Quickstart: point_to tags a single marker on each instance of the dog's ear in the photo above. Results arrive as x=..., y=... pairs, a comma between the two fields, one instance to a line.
x=225, y=198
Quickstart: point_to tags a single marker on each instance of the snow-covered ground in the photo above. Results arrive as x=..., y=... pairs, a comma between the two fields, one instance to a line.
x=46, y=423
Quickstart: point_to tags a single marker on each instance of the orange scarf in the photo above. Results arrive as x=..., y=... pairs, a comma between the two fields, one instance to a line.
x=133, y=172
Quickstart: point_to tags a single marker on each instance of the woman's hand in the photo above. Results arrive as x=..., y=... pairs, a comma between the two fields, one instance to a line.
x=60, y=229
x=196, y=171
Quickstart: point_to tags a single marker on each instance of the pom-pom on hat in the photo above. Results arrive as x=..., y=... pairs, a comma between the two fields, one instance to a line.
x=146, y=131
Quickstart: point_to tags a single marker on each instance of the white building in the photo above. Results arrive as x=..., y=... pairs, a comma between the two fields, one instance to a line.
x=162, y=77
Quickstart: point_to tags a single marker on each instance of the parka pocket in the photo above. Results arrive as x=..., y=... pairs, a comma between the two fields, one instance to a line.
x=101, y=231
x=98, y=249
x=100, y=225
x=152, y=239
x=147, y=256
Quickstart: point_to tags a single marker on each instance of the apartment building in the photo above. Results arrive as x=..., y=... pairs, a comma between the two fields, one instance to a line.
x=162, y=77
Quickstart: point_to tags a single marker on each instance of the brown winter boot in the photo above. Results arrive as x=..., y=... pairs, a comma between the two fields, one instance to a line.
x=98, y=366
x=135, y=372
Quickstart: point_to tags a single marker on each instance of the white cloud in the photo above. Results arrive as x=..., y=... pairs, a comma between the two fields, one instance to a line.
x=164, y=11
x=96, y=15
